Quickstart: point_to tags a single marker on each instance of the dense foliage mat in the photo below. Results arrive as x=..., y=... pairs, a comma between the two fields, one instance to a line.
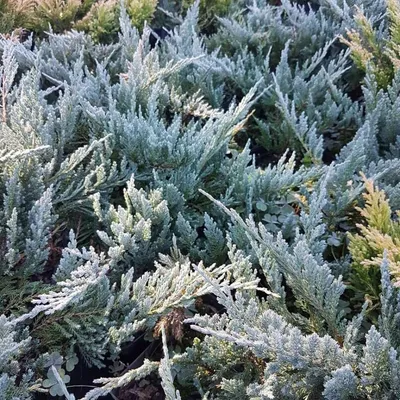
x=202, y=207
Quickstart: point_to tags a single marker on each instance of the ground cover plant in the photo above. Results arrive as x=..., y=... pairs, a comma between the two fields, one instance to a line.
x=203, y=205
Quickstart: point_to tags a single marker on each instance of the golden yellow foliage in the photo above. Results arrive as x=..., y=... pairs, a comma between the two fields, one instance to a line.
x=97, y=17
x=379, y=233
x=381, y=56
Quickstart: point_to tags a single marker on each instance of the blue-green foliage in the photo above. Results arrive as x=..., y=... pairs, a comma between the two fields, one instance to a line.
x=131, y=198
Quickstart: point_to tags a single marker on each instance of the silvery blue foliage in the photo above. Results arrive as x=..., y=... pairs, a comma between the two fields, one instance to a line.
x=300, y=364
x=125, y=200
x=342, y=385
x=14, y=345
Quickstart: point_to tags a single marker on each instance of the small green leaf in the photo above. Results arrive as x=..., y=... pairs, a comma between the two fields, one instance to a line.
x=52, y=383
x=272, y=227
x=282, y=218
x=286, y=209
x=334, y=240
x=71, y=362
x=47, y=383
x=267, y=218
x=54, y=359
x=274, y=209
x=56, y=391
x=261, y=206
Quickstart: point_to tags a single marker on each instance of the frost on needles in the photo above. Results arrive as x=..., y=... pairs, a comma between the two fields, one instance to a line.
x=135, y=207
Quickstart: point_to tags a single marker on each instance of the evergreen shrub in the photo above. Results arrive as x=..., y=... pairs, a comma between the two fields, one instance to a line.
x=207, y=213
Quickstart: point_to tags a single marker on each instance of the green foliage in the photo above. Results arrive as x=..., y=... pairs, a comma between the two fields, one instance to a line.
x=304, y=100
x=209, y=11
x=141, y=11
x=214, y=363
x=370, y=49
x=101, y=21
x=138, y=209
x=378, y=235
x=16, y=381
x=13, y=14
x=99, y=18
